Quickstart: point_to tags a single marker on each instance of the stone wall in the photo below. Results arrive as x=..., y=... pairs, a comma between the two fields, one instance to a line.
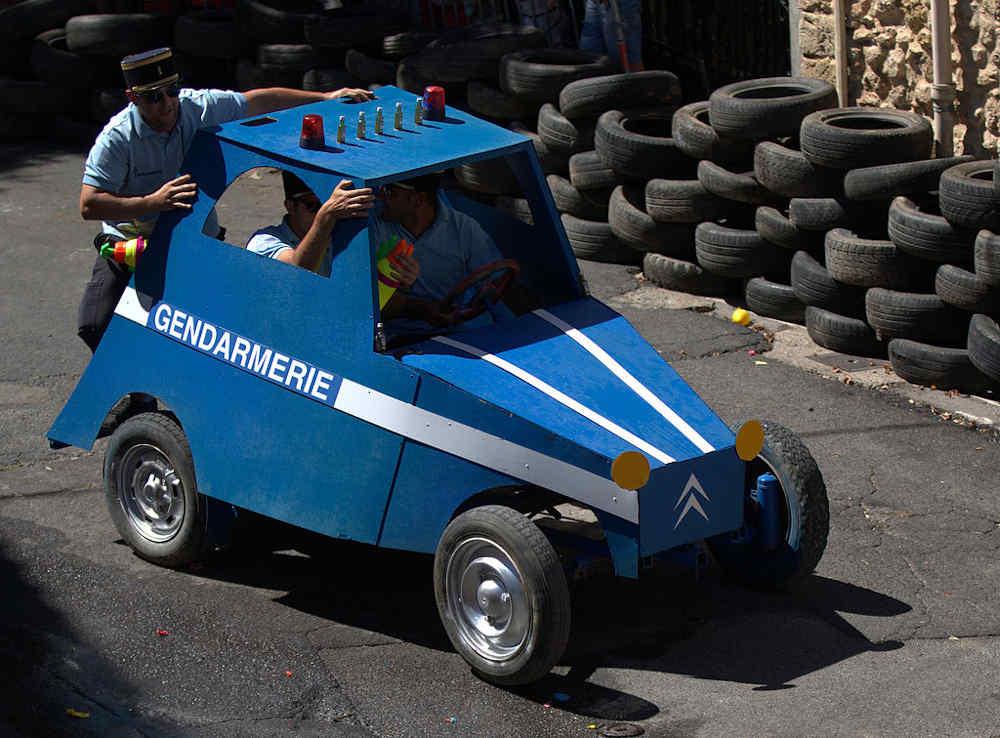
x=889, y=59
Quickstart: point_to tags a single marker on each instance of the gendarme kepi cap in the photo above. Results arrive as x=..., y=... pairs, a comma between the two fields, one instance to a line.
x=149, y=70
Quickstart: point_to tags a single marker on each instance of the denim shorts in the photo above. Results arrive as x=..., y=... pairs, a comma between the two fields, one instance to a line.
x=599, y=32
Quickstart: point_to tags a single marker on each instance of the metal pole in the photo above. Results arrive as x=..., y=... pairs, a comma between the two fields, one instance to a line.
x=943, y=89
x=840, y=50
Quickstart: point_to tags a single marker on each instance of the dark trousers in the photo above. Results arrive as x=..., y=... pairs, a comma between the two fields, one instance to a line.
x=107, y=283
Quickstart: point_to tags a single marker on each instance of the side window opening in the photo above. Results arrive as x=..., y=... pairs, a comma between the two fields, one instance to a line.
x=253, y=200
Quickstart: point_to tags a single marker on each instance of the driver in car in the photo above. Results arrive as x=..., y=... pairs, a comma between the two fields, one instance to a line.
x=449, y=244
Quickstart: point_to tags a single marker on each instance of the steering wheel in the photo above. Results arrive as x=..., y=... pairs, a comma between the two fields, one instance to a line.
x=486, y=284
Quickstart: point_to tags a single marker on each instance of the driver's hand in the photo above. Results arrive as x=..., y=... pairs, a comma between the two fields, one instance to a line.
x=404, y=269
x=438, y=317
x=347, y=202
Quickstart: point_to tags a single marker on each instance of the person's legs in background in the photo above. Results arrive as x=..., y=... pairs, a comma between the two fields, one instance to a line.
x=592, y=32
x=600, y=32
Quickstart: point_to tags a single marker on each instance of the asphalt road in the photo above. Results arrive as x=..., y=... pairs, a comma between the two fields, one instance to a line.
x=897, y=634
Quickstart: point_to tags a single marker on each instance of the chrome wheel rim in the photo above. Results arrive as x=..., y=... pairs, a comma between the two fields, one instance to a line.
x=151, y=493
x=486, y=596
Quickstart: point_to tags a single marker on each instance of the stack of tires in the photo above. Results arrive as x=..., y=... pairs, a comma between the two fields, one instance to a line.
x=941, y=325
x=298, y=44
x=58, y=61
x=750, y=129
x=614, y=131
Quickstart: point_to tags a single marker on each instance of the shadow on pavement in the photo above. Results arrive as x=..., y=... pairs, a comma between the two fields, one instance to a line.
x=48, y=671
x=32, y=154
x=666, y=623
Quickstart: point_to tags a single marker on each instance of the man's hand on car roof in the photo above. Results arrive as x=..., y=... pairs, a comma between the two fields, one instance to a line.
x=355, y=94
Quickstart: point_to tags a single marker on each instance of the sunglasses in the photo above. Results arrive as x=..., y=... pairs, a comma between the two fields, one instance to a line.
x=309, y=201
x=387, y=189
x=154, y=96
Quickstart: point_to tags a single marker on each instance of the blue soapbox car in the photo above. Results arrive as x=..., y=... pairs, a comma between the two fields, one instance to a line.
x=510, y=449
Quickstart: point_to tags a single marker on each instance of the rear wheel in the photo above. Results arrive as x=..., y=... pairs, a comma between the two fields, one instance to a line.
x=502, y=595
x=804, y=517
x=151, y=491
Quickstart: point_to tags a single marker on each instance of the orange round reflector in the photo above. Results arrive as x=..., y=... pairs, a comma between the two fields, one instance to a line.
x=630, y=470
x=749, y=440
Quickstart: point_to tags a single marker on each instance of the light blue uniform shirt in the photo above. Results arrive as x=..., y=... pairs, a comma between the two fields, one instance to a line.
x=274, y=239
x=454, y=245
x=129, y=158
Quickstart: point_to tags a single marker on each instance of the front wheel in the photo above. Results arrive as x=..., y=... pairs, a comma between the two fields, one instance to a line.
x=804, y=517
x=502, y=595
x=151, y=492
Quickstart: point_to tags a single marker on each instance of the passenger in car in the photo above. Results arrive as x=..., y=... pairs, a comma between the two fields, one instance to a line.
x=303, y=236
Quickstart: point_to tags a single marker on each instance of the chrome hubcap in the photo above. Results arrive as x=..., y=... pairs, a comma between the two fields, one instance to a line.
x=487, y=598
x=150, y=493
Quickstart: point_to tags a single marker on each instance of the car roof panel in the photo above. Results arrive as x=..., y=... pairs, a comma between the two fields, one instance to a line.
x=432, y=146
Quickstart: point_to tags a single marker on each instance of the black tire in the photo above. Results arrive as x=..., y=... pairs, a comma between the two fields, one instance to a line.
x=327, y=80
x=964, y=290
x=517, y=207
x=906, y=178
x=683, y=276
x=150, y=537
x=53, y=63
x=767, y=108
x=682, y=201
x=813, y=285
x=489, y=176
x=369, y=69
x=788, y=173
x=205, y=72
x=695, y=137
x=412, y=77
x=842, y=333
x=819, y=213
x=590, y=98
x=104, y=104
x=966, y=195
x=926, y=235
x=920, y=317
x=552, y=161
x=732, y=252
x=560, y=134
x=117, y=35
x=486, y=100
x=850, y=138
x=298, y=58
x=629, y=220
x=774, y=300
x=805, y=517
x=208, y=33
x=539, y=571
x=935, y=366
x=586, y=204
x=587, y=171
x=987, y=257
x=473, y=52
x=637, y=145
x=250, y=76
x=984, y=346
x=395, y=46
x=741, y=187
x=33, y=97
x=24, y=20
x=774, y=227
x=351, y=28
x=863, y=262
x=595, y=241
x=538, y=75
x=270, y=23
